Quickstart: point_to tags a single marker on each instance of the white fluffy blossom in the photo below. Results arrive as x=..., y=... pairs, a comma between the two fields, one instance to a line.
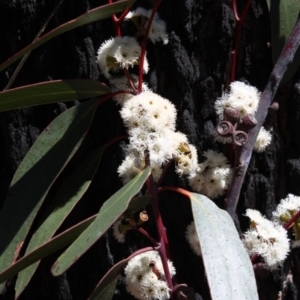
x=150, y=111
x=145, y=277
x=150, y=120
x=263, y=140
x=267, y=239
x=192, y=238
x=130, y=168
x=211, y=177
x=286, y=208
x=157, y=31
x=186, y=161
x=242, y=97
x=119, y=52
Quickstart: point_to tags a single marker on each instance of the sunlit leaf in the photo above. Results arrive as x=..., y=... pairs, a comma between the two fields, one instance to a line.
x=58, y=242
x=43, y=163
x=110, y=211
x=284, y=15
x=228, y=267
x=68, y=196
x=51, y=92
x=93, y=15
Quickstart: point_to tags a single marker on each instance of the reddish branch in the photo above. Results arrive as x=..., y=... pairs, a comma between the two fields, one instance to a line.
x=237, y=39
x=144, y=43
x=242, y=158
x=117, y=21
x=163, y=239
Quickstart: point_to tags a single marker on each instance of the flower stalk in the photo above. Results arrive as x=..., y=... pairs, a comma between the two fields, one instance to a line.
x=237, y=39
x=144, y=43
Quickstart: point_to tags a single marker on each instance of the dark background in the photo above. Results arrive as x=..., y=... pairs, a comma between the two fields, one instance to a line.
x=191, y=71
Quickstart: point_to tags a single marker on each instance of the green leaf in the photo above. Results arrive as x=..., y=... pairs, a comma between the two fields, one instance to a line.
x=68, y=196
x=106, y=287
x=51, y=92
x=93, y=15
x=284, y=15
x=138, y=203
x=43, y=163
x=110, y=211
x=107, y=292
x=228, y=267
x=58, y=242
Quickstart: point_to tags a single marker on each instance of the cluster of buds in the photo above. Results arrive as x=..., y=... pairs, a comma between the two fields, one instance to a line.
x=236, y=112
x=127, y=222
x=236, y=127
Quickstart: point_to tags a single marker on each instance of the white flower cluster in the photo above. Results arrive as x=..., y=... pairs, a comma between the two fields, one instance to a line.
x=266, y=238
x=145, y=278
x=157, y=31
x=244, y=99
x=119, y=53
x=150, y=120
x=192, y=238
x=286, y=209
x=212, y=177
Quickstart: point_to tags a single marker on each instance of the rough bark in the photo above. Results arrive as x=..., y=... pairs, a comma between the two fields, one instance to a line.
x=190, y=71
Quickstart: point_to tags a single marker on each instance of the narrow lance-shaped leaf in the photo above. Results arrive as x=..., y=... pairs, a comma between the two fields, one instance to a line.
x=68, y=196
x=106, y=287
x=228, y=267
x=110, y=211
x=93, y=15
x=63, y=239
x=51, y=92
x=43, y=163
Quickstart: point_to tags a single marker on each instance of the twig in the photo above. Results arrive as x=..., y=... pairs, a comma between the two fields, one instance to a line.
x=242, y=159
x=237, y=38
x=148, y=236
x=144, y=43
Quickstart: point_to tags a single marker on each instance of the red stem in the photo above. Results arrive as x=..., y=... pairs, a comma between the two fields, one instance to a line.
x=239, y=24
x=148, y=236
x=162, y=176
x=117, y=21
x=129, y=78
x=140, y=251
x=175, y=189
x=110, y=95
x=292, y=220
x=144, y=43
x=164, y=243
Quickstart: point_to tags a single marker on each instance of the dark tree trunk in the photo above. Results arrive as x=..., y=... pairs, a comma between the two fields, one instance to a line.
x=190, y=71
